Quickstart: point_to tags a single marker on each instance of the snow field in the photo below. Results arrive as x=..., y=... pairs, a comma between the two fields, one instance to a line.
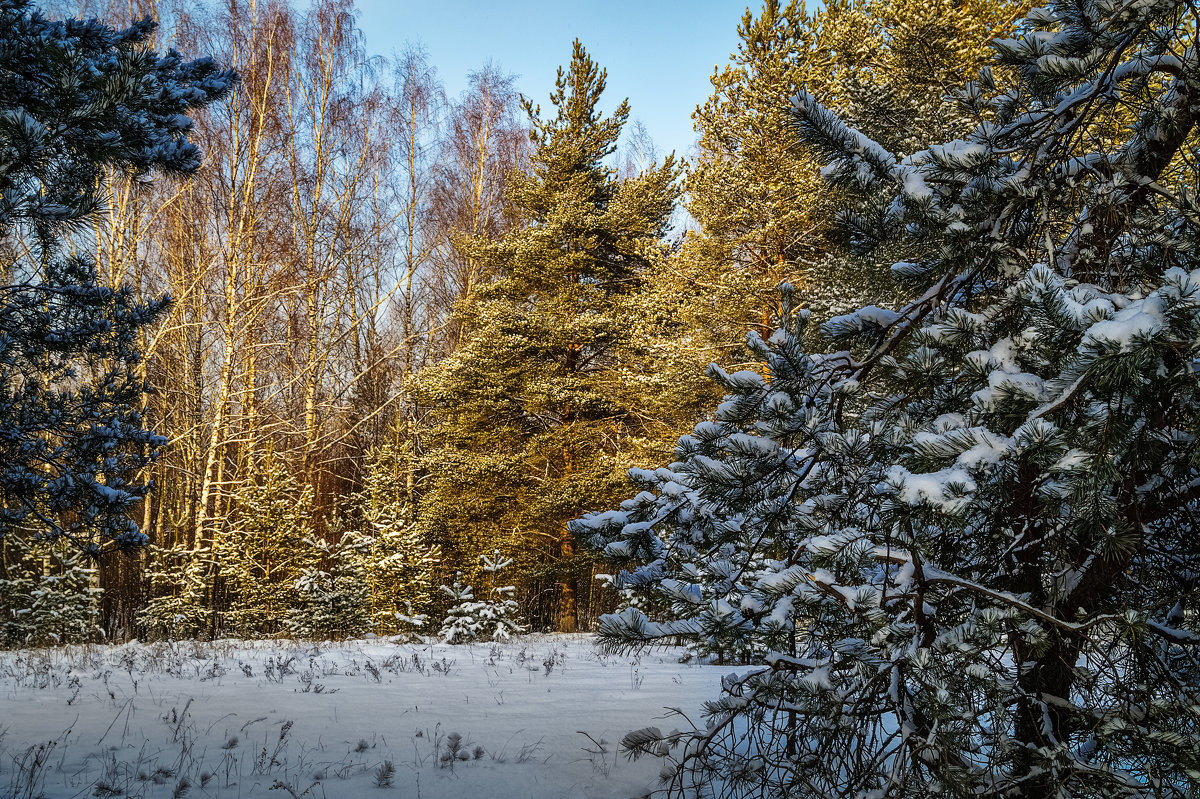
x=540, y=716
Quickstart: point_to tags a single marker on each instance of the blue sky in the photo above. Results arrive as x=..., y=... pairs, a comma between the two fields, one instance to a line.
x=658, y=53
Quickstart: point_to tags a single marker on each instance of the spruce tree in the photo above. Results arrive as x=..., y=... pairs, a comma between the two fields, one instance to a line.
x=958, y=547
x=533, y=417
x=260, y=566
x=495, y=618
x=47, y=595
x=332, y=595
x=387, y=548
x=179, y=588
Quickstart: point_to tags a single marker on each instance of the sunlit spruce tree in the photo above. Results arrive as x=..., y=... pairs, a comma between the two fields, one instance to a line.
x=256, y=568
x=959, y=546
x=385, y=545
x=533, y=416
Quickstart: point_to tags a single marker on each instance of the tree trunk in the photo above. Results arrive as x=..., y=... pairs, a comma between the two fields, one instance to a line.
x=568, y=604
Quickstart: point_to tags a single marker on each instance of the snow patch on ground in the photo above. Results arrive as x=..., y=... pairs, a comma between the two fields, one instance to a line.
x=538, y=717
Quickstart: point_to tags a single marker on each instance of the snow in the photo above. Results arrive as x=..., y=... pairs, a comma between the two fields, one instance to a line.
x=781, y=581
x=958, y=150
x=1139, y=320
x=1020, y=383
x=1073, y=460
x=948, y=421
x=989, y=450
x=744, y=379
x=914, y=183
x=111, y=495
x=871, y=315
x=278, y=718
x=931, y=488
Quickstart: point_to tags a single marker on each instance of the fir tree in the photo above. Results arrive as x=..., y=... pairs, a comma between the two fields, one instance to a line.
x=533, y=416
x=960, y=550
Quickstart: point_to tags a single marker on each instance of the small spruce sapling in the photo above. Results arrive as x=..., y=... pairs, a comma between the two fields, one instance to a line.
x=495, y=619
x=333, y=600
x=460, y=623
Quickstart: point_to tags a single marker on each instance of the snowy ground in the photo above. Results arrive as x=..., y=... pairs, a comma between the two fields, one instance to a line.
x=537, y=717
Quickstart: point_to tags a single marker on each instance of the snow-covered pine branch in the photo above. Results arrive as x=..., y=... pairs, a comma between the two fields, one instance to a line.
x=76, y=96
x=963, y=547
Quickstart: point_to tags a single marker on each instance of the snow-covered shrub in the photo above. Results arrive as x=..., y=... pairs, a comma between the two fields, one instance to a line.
x=494, y=619
x=960, y=545
x=47, y=596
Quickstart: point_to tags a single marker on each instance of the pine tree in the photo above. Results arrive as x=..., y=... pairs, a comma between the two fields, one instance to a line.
x=959, y=548
x=747, y=185
x=755, y=188
x=76, y=96
x=532, y=413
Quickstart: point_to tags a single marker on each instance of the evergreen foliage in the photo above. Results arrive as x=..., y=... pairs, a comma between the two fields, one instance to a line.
x=960, y=550
x=748, y=184
x=493, y=619
x=127, y=106
x=262, y=576
x=755, y=187
x=334, y=600
x=388, y=551
x=460, y=623
x=75, y=97
x=270, y=555
x=534, y=418
x=179, y=605
x=48, y=596
x=370, y=570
